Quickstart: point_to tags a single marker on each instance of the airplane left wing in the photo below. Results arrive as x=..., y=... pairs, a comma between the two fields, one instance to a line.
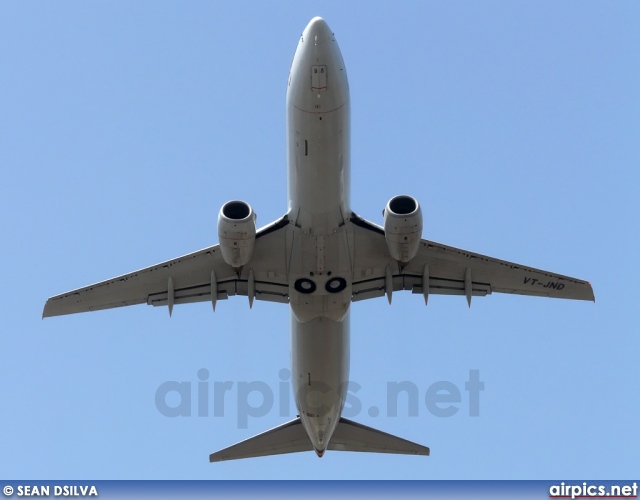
x=444, y=270
x=201, y=276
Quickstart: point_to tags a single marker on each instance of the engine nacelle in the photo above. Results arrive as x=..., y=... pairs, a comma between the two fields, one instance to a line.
x=403, y=227
x=236, y=232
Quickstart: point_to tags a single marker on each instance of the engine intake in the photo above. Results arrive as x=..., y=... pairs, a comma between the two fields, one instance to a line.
x=236, y=232
x=403, y=227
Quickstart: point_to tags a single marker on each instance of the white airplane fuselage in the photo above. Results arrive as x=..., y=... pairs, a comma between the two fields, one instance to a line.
x=318, y=147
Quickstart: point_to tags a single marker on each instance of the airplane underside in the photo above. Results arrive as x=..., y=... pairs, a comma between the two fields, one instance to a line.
x=319, y=258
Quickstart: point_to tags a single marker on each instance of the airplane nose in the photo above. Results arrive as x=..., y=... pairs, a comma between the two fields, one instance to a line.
x=318, y=31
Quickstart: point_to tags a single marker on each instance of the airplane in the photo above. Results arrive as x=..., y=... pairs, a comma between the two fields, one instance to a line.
x=319, y=258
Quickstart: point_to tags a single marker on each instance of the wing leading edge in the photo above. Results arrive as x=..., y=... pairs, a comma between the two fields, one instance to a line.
x=444, y=270
x=200, y=276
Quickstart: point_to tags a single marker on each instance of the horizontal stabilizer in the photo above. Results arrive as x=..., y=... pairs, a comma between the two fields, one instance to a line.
x=292, y=438
x=286, y=438
x=351, y=436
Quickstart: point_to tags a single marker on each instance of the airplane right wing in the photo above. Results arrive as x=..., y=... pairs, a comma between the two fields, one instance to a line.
x=445, y=270
x=201, y=276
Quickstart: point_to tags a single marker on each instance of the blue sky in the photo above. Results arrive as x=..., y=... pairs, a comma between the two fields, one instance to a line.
x=124, y=126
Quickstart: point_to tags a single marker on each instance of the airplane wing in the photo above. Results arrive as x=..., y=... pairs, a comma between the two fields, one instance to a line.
x=201, y=276
x=445, y=270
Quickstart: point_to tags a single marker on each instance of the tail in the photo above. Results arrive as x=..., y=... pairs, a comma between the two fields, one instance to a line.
x=351, y=436
x=292, y=438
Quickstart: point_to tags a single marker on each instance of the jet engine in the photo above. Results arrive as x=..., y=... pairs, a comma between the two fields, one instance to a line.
x=236, y=232
x=403, y=227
